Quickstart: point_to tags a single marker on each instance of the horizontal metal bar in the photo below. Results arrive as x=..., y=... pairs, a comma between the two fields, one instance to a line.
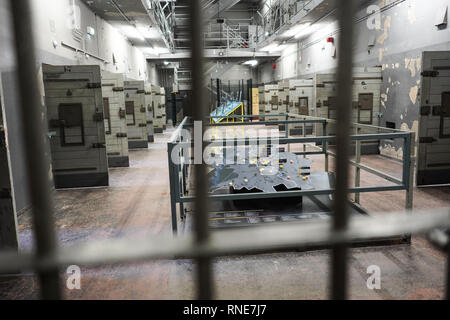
x=372, y=171
x=281, y=140
x=291, y=194
x=249, y=116
x=247, y=241
x=308, y=153
x=353, y=124
x=259, y=123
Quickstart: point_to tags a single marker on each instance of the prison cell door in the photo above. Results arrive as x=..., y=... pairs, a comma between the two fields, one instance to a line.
x=115, y=122
x=434, y=124
x=76, y=123
x=136, y=115
x=8, y=229
x=149, y=113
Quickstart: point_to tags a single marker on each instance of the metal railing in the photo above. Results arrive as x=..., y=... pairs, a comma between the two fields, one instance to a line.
x=202, y=245
x=179, y=174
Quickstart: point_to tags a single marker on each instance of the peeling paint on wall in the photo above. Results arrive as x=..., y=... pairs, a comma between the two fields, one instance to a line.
x=413, y=94
x=413, y=65
x=411, y=12
x=386, y=27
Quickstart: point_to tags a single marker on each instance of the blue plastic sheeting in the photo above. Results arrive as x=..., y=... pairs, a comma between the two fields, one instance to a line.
x=224, y=110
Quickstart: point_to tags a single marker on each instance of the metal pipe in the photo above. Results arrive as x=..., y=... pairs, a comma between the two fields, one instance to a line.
x=346, y=13
x=36, y=147
x=204, y=269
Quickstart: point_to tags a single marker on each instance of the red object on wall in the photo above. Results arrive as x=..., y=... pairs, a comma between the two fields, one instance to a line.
x=330, y=40
x=274, y=66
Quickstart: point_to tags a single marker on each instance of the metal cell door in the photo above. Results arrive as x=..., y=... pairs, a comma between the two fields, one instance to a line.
x=76, y=124
x=365, y=108
x=434, y=124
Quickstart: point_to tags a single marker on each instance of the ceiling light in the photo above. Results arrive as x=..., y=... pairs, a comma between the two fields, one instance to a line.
x=307, y=31
x=252, y=63
x=296, y=29
x=270, y=47
x=149, y=33
x=132, y=32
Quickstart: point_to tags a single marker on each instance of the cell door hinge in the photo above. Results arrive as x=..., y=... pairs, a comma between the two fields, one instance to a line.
x=94, y=85
x=122, y=135
x=98, y=146
x=427, y=140
x=98, y=117
x=118, y=89
x=430, y=73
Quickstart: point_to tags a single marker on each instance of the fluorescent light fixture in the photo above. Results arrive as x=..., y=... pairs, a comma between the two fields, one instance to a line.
x=278, y=48
x=307, y=31
x=149, y=33
x=166, y=63
x=296, y=30
x=252, y=63
x=131, y=32
x=154, y=51
x=271, y=47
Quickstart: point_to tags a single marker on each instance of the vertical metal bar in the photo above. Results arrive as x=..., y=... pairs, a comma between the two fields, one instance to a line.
x=304, y=136
x=410, y=172
x=173, y=197
x=325, y=147
x=36, y=147
x=204, y=268
x=357, y=169
x=346, y=13
x=448, y=272
x=218, y=93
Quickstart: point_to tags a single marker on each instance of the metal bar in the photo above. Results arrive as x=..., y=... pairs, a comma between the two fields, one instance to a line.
x=346, y=12
x=410, y=174
x=358, y=168
x=363, y=137
x=293, y=194
x=204, y=268
x=172, y=175
x=356, y=125
x=448, y=272
x=36, y=147
x=246, y=241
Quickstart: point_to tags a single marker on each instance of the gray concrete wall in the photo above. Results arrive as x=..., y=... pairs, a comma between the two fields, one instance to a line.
x=406, y=30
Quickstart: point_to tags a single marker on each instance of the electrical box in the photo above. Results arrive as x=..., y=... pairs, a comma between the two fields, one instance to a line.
x=136, y=114
x=301, y=103
x=115, y=119
x=74, y=102
x=149, y=111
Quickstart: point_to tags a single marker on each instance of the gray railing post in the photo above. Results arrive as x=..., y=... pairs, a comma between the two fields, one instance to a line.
x=357, y=169
x=172, y=176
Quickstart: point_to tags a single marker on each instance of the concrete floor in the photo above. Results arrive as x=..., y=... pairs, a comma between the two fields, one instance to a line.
x=137, y=204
